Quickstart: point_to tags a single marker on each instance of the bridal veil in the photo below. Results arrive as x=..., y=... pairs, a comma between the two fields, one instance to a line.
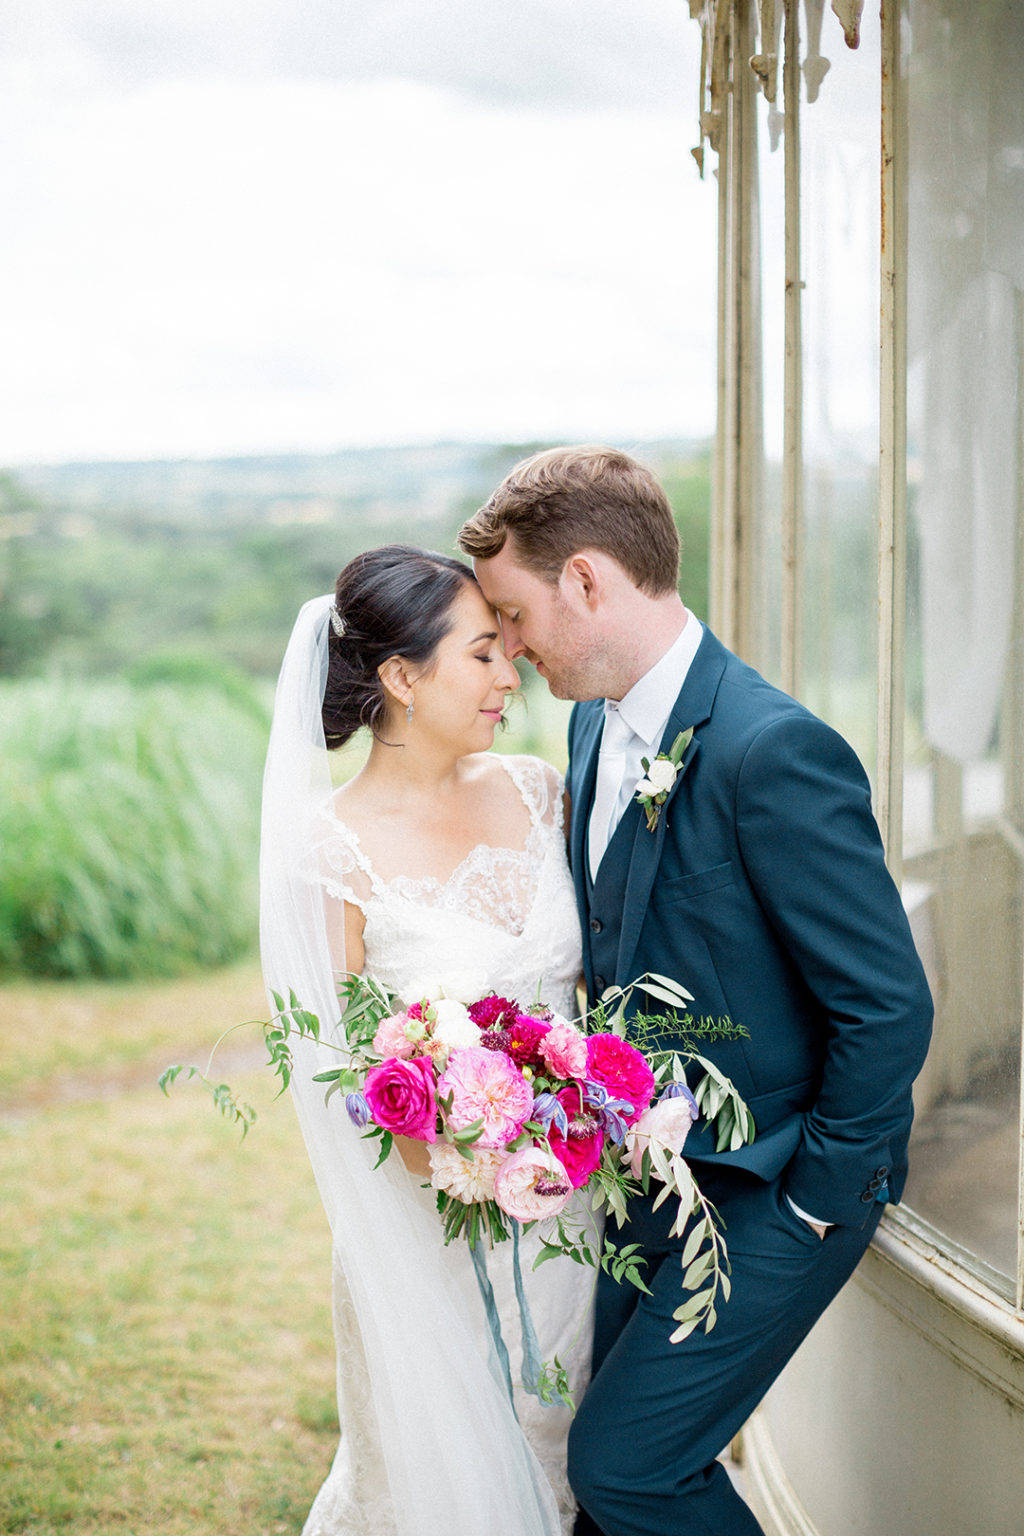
x=455, y=1460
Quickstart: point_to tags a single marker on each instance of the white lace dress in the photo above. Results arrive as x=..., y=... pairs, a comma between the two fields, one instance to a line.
x=508, y=915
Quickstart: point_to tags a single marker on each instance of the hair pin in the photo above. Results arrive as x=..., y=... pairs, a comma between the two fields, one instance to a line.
x=337, y=622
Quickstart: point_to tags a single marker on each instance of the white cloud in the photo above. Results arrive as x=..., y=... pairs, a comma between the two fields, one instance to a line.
x=200, y=264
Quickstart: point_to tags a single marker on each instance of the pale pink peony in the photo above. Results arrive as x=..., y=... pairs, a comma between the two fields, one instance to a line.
x=531, y=1185
x=391, y=1038
x=486, y=1085
x=665, y=1123
x=564, y=1049
x=468, y=1180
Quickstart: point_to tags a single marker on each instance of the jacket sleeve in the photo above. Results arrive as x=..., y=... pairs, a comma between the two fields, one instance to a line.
x=814, y=856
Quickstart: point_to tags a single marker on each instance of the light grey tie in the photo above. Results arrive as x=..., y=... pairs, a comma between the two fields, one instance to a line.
x=611, y=765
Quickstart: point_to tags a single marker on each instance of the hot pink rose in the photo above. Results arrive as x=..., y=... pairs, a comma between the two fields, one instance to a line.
x=531, y=1185
x=401, y=1097
x=580, y=1151
x=391, y=1038
x=485, y=1085
x=564, y=1049
x=623, y=1070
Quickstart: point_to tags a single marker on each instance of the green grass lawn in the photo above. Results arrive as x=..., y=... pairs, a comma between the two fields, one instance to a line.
x=167, y=1363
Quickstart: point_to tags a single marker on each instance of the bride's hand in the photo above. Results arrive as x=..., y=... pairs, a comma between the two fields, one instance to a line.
x=414, y=1155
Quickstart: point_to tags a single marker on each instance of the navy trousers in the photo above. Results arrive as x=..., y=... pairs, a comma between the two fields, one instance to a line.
x=643, y=1444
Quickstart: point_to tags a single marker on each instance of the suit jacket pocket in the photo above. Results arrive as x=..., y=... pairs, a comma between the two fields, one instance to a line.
x=684, y=887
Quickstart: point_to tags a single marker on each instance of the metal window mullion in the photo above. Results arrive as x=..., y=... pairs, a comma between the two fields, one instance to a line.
x=1013, y=733
x=792, y=441
x=892, y=487
x=740, y=424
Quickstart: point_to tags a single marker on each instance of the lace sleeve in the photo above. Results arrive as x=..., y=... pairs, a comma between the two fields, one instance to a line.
x=339, y=865
x=541, y=787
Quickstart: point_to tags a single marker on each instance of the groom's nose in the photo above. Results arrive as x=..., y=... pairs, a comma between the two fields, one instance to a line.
x=511, y=638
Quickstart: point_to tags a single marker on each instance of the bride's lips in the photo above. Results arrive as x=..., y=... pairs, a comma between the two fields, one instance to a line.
x=493, y=714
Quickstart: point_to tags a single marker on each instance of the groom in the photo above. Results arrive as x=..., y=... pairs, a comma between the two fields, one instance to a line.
x=763, y=890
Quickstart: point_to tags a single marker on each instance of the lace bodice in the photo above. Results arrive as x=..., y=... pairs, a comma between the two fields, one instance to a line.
x=505, y=915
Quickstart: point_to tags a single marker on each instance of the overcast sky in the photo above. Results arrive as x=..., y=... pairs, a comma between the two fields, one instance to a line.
x=245, y=226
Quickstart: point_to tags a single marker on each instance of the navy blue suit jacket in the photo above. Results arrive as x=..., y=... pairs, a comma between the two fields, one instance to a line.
x=764, y=891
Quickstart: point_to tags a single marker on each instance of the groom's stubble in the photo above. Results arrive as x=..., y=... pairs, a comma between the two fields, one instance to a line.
x=570, y=654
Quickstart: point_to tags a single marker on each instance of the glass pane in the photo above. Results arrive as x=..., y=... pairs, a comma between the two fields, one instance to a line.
x=963, y=786
x=840, y=151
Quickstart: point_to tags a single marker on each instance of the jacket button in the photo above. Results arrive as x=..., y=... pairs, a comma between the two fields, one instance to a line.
x=867, y=1197
x=599, y=984
x=880, y=1173
x=596, y=925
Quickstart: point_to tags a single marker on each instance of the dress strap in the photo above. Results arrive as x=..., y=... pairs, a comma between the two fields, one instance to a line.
x=537, y=782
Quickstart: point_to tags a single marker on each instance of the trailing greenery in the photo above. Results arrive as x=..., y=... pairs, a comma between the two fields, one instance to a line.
x=128, y=826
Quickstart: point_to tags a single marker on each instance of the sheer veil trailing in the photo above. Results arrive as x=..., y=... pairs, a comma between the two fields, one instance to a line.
x=456, y=1461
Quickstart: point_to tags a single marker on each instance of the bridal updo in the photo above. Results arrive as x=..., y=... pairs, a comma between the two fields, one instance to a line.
x=392, y=601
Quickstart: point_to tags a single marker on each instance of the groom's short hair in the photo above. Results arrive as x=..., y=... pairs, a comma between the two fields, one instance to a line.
x=567, y=499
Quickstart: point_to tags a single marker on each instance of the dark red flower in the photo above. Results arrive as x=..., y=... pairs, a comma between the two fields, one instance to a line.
x=525, y=1035
x=491, y=1011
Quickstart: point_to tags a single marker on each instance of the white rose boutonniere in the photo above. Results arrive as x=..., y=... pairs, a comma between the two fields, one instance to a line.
x=653, y=791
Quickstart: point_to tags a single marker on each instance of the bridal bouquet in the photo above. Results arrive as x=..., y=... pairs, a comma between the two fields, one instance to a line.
x=520, y=1108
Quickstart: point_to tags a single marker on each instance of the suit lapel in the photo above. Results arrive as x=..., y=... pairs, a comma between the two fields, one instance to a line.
x=692, y=708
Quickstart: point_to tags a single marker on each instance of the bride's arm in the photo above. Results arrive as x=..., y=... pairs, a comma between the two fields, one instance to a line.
x=345, y=924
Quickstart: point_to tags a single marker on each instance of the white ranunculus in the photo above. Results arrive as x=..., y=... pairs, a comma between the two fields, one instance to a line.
x=661, y=775
x=464, y=986
x=453, y=1028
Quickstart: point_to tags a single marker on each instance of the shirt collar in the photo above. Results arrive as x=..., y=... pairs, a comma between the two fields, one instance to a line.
x=648, y=704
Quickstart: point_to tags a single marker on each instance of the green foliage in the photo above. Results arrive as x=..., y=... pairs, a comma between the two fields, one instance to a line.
x=128, y=828
x=687, y=483
x=102, y=567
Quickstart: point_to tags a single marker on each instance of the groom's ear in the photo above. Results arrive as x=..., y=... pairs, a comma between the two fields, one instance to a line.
x=584, y=577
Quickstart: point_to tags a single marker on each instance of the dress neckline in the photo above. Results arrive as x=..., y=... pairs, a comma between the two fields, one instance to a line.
x=416, y=883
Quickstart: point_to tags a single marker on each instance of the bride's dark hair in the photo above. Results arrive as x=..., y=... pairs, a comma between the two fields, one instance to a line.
x=392, y=601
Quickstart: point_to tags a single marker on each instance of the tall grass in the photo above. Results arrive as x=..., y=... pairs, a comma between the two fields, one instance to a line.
x=128, y=827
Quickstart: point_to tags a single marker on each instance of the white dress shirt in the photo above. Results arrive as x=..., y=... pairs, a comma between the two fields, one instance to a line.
x=638, y=723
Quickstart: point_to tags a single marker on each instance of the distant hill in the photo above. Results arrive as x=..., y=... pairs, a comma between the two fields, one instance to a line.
x=373, y=485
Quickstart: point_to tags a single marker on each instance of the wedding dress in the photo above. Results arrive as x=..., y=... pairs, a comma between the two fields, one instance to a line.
x=430, y=1445
x=507, y=919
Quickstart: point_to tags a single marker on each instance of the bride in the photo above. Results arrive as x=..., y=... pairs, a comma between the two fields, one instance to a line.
x=438, y=863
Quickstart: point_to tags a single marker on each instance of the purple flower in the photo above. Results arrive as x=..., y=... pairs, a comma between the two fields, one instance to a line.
x=547, y=1111
x=358, y=1109
x=610, y=1114
x=680, y=1091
